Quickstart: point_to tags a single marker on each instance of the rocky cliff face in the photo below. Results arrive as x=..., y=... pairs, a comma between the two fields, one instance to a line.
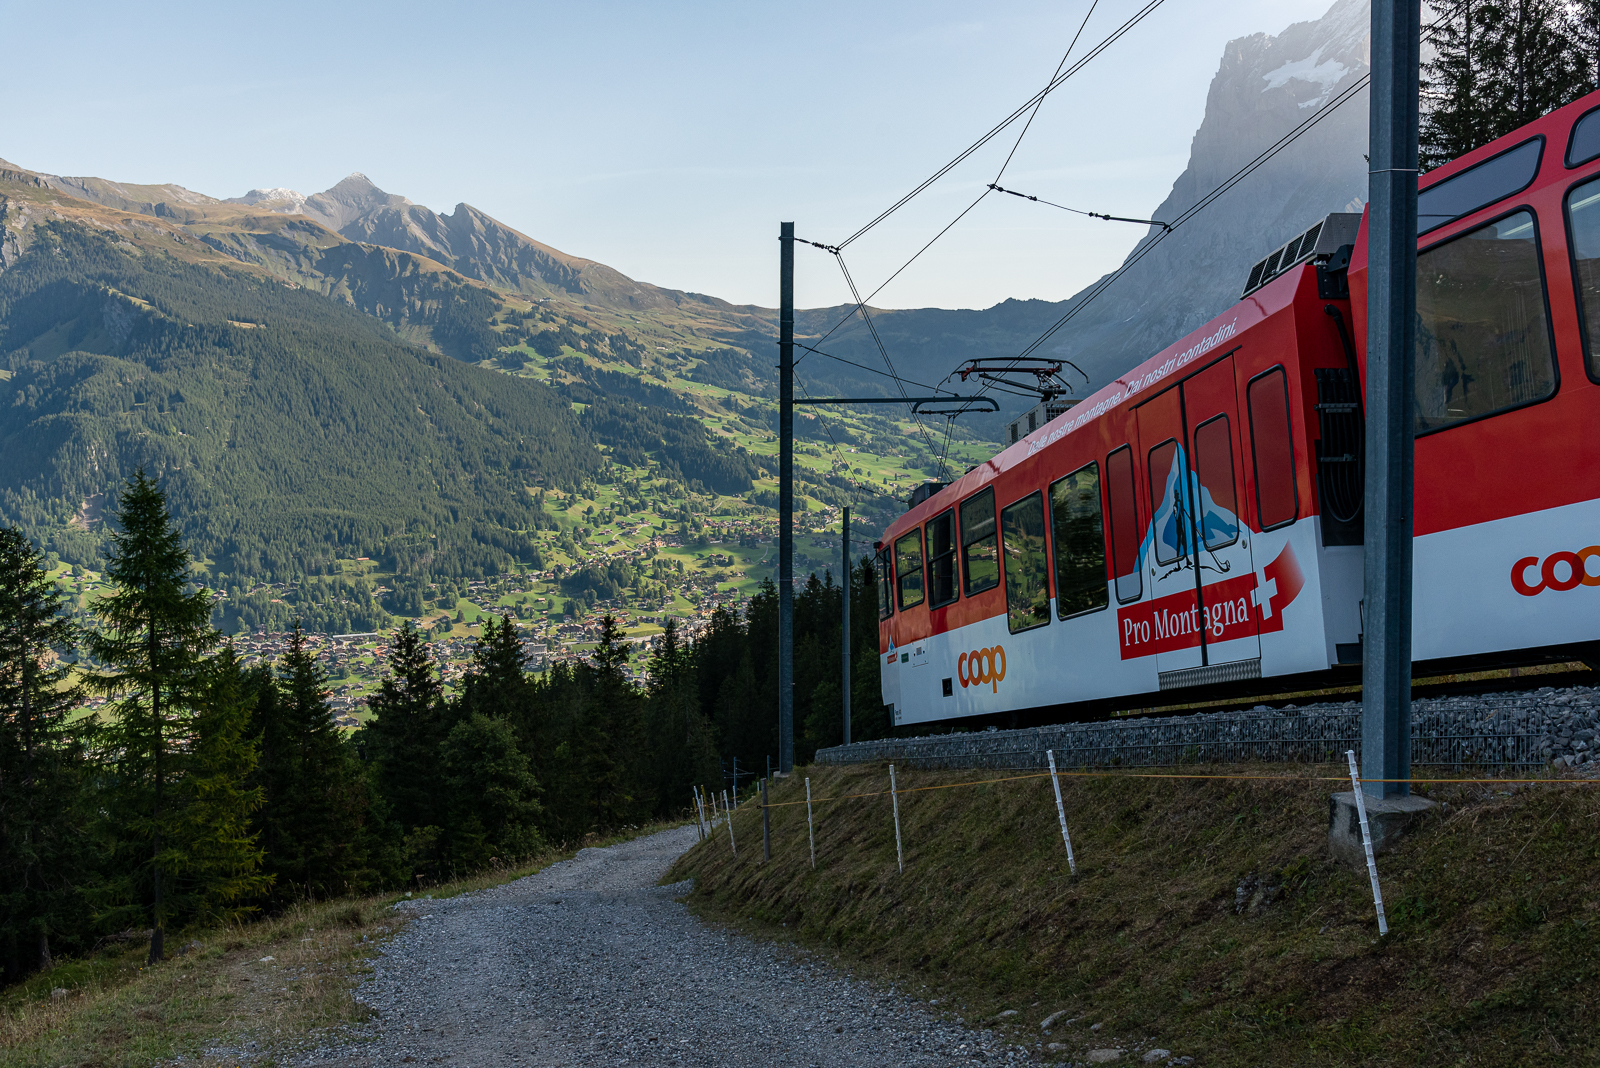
x=1265, y=86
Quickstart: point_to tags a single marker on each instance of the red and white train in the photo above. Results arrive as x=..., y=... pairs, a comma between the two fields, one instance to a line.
x=1197, y=523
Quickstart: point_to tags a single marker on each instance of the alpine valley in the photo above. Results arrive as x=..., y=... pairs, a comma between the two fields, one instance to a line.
x=363, y=410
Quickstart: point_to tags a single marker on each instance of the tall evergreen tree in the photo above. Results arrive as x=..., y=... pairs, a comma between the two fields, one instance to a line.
x=496, y=681
x=42, y=858
x=492, y=797
x=152, y=646
x=614, y=750
x=1498, y=65
x=410, y=722
x=316, y=823
x=215, y=855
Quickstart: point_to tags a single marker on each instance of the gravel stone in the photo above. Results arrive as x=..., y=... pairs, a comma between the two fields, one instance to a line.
x=590, y=963
x=1526, y=729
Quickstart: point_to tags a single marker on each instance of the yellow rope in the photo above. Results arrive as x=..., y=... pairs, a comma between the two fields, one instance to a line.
x=1178, y=775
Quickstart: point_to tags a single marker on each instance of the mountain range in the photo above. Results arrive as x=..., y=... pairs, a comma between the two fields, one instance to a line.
x=102, y=283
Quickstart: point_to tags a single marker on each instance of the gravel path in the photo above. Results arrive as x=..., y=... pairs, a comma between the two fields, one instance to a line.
x=589, y=962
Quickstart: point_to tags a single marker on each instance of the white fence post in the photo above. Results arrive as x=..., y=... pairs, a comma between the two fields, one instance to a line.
x=899, y=853
x=728, y=816
x=1366, y=842
x=1061, y=811
x=811, y=832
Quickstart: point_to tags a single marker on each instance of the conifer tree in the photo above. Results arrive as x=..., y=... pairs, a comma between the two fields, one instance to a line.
x=215, y=856
x=409, y=725
x=680, y=738
x=316, y=823
x=152, y=645
x=496, y=681
x=614, y=749
x=1499, y=64
x=493, y=810
x=42, y=858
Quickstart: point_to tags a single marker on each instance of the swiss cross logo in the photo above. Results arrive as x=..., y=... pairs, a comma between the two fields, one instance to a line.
x=1277, y=584
x=1238, y=607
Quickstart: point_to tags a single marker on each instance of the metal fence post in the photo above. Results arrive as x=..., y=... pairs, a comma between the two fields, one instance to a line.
x=1061, y=810
x=899, y=853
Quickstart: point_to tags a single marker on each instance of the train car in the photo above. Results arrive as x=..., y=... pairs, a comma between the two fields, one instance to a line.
x=1196, y=525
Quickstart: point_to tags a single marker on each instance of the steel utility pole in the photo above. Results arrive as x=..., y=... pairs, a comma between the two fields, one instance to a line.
x=786, y=499
x=844, y=551
x=1391, y=356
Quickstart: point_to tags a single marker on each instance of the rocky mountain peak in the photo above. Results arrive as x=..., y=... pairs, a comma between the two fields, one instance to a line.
x=351, y=199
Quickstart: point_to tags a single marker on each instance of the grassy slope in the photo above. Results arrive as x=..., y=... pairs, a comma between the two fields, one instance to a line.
x=1494, y=906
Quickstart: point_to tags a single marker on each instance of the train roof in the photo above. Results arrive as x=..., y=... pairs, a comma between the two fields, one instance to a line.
x=1213, y=337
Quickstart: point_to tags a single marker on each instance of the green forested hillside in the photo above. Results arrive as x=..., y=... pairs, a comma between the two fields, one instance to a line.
x=287, y=427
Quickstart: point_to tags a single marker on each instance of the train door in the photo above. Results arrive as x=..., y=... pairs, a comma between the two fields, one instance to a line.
x=1199, y=560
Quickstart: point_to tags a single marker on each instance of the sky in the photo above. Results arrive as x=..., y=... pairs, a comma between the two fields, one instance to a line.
x=665, y=140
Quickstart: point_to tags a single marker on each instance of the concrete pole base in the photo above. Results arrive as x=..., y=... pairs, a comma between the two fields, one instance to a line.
x=1387, y=818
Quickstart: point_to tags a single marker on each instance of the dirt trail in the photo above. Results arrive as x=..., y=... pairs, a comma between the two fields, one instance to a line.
x=589, y=962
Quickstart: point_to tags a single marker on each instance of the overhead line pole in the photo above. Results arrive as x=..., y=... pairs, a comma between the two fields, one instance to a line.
x=844, y=549
x=786, y=499
x=1390, y=439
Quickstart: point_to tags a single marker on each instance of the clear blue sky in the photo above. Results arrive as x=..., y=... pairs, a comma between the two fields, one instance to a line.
x=666, y=140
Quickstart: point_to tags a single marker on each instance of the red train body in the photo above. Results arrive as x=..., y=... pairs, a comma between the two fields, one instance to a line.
x=1196, y=524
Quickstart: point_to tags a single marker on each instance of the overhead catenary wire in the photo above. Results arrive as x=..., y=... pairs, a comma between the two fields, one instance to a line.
x=1210, y=198
x=1028, y=105
x=1077, y=211
x=1344, y=96
x=1055, y=80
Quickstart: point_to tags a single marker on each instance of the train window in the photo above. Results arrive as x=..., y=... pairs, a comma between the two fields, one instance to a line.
x=1219, y=502
x=1483, y=338
x=908, y=566
x=1476, y=187
x=885, y=585
x=1583, y=212
x=1080, y=542
x=1169, y=518
x=1027, y=589
x=1585, y=143
x=980, y=556
x=1277, y=498
x=1125, y=532
x=942, y=559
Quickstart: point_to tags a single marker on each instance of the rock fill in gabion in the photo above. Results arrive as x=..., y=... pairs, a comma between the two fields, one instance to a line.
x=1530, y=729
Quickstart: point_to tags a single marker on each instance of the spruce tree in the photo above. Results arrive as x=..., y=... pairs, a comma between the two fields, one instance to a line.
x=409, y=725
x=1498, y=65
x=42, y=779
x=496, y=681
x=152, y=644
x=493, y=809
x=614, y=750
x=217, y=859
x=316, y=825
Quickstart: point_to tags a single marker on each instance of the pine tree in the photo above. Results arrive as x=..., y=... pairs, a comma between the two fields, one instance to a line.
x=493, y=808
x=217, y=861
x=41, y=763
x=152, y=646
x=496, y=682
x=614, y=750
x=409, y=725
x=1499, y=64
x=316, y=823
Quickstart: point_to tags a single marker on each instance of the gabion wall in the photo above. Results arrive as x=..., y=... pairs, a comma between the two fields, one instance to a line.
x=1501, y=731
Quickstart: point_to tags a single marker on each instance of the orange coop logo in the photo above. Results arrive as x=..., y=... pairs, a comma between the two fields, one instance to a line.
x=1559, y=571
x=982, y=666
